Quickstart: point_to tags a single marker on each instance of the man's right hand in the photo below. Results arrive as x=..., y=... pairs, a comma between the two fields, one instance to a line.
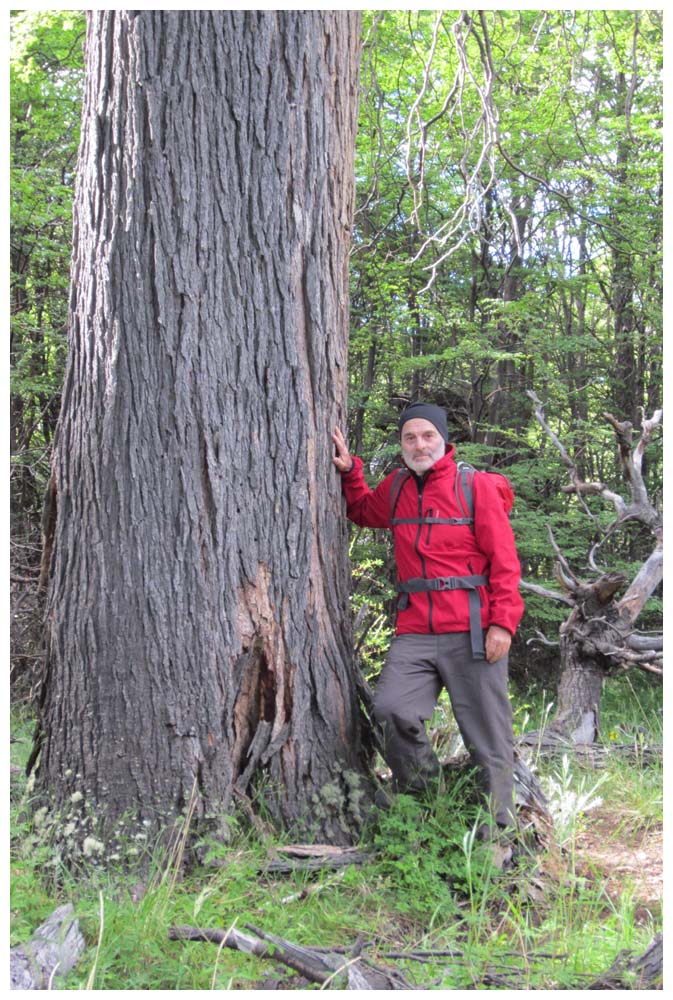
x=343, y=458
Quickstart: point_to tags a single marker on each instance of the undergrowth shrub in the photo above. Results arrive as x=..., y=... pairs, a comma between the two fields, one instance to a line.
x=422, y=846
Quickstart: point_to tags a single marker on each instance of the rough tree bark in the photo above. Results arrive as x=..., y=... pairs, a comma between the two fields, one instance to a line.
x=600, y=637
x=198, y=645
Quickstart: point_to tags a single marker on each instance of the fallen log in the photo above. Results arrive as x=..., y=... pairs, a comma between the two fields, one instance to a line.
x=327, y=968
x=314, y=857
x=550, y=744
x=306, y=858
x=51, y=953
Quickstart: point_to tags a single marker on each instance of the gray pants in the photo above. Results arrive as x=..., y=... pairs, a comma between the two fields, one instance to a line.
x=416, y=668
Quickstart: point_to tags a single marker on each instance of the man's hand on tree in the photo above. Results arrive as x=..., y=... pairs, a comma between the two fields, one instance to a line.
x=498, y=641
x=343, y=459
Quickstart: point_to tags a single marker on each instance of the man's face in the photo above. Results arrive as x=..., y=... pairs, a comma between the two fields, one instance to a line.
x=422, y=445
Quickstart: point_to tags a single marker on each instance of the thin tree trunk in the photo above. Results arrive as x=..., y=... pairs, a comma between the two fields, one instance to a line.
x=198, y=606
x=626, y=391
x=504, y=408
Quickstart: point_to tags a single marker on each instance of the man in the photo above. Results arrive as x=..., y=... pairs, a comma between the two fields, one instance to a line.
x=458, y=610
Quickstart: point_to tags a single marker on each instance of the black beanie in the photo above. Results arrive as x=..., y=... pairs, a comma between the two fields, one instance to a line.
x=426, y=411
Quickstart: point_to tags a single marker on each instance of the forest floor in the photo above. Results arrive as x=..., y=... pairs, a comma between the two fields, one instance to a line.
x=623, y=858
x=557, y=920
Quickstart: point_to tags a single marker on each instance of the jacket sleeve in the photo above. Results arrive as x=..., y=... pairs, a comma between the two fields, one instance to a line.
x=495, y=538
x=365, y=507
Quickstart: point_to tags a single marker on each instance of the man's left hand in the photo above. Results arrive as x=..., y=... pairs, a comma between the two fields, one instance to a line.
x=498, y=641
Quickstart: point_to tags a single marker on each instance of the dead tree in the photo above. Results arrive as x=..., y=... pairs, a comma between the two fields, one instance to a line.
x=600, y=636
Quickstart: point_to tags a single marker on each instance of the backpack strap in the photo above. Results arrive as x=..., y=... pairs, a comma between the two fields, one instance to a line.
x=401, y=476
x=464, y=498
x=431, y=520
x=464, y=494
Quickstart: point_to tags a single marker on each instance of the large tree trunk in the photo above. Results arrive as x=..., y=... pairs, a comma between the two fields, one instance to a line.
x=198, y=644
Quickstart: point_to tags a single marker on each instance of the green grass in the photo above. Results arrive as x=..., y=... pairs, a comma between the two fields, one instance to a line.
x=429, y=888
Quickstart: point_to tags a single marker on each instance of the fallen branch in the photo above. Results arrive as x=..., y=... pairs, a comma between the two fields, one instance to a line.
x=627, y=972
x=326, y=968
x=650, y=669
x=53, y=950
x=341, y=968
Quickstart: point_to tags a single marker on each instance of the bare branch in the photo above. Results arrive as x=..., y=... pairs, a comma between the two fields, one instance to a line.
x=608, y=533
x=579, y=486
x=568, y=583
x=414, y=113
x=645, y=642
x=646, y=436
x=477, y=164
x=543, y=592
x=599, y=489
x=568, y=573
x=540, y=637
x=539, y=414
x=650, y=668
x=646, y=660
x=631, y=460
x=647, y=580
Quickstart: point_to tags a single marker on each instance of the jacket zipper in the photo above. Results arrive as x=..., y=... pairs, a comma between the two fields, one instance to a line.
x=421, y=487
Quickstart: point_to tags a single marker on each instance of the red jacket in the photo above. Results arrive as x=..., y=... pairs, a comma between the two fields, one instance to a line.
x=439, y=550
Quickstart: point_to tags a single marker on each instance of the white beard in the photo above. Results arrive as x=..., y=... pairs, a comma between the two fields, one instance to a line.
x=420, y=464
